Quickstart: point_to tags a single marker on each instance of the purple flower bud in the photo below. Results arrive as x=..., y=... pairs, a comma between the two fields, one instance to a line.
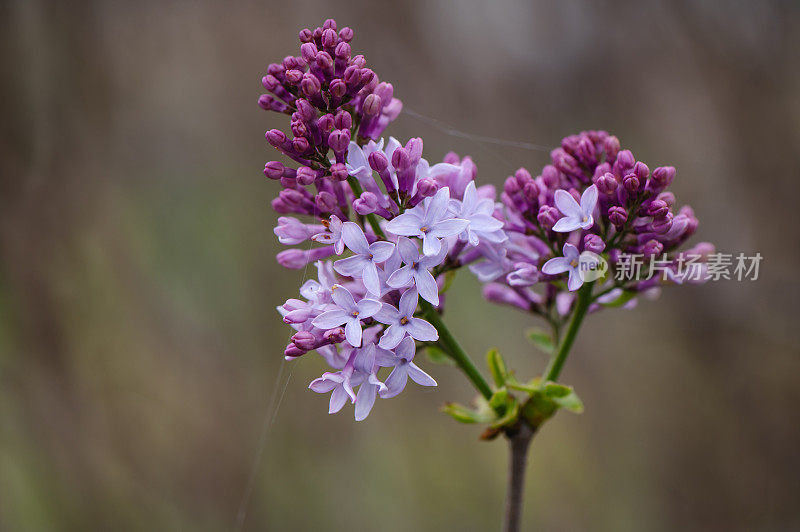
x=300, y=144
x=451, y=157
x=666, y=197
x=329, y=38
x=531, y=191
x=294, y=76
x=617, y=216
x=342, y=51
x=306, y=175
x=343, y=120
x=270, y=82
x=378, y=161
x=338, y=140
x=550, y=176
x=346, y=34
x=274, y=169
x=308, y=51
x=304, y=340
x=548, y=216
x=505, y=295
x=352, y=75
x=401, y=159
x=663, y=224
x=305, y=35
x=523, y=177
x=642, y=171
x=310, y=85
x=330, y=24
x=325, y=62
x=339, y=172
x=427, y=187
x=292, y=351
x=325, y=122
x=606, y=183
x=593, y=243
x=657, y=208
x=366, y=204
x=276, y=137
x=585, y=151
x=663, y=176
x=372, y=105
x=338, y=88
x=624, y=162
x=630, y=182
x=651, y=248
x=325, y=202
x=305, y=110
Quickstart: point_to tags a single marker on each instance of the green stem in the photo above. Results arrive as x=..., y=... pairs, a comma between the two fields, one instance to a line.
x=582, y=305
x=450, y=345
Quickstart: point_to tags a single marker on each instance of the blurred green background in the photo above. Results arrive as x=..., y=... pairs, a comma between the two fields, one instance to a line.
x=140, y=350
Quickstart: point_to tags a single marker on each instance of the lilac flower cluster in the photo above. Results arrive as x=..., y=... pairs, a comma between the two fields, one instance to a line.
x=592, y=205
x=402, y=222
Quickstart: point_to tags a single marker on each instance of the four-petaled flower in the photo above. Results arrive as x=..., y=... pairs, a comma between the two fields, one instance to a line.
x=401, y=361
x=370, y=386
x=340, y=383
x=429, y=221
x=364, y=263
x=575, y=215
x=349, y=313
x=417, y=268
x=478, y=212
x=333, y=235
x=577, y=264
x=402, y=322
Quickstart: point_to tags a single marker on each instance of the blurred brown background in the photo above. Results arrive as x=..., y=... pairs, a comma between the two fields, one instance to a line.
x=140, y=349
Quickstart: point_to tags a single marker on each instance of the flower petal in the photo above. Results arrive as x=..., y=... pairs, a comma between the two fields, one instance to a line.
x=392, y=336
x=419, y=376
x=338, y=399
x=556, y=265
x=430, y=244
x=575, y=280
x=352, y=332
x=370, y=277
x=322, y=385
x=408, y=302
x=589, y=200
x=368, y=308
x=427, y=287
x=351, y=266
x=450, y=227
x=567, y=224
x=400, y=277
x=406, y=349
x=381, y=251
x=566, y=203
x=407, y=224
x=330, y=319
x=421, y=330
x=387, y=314
x=396, y=382
x=365, y=400
x=354, y=238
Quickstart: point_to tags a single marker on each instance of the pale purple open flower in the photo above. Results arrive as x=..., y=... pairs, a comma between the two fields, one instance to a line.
x=576, y=216
x=370, y=386
x=364, y=263
x=401, y=361
x=429, y=221
x=417, y=269
x=577, y=264
x=348, y=313
x=333, y=235
x=402, y=322
x=340, y=383
x=478, y=212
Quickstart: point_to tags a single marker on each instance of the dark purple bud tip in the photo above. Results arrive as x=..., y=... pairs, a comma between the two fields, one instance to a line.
x=300, y=144
x=305, y=35
x=427, y=187
x=265, y=102
x=630, y=182
x=550, y=176
x=642, y=171
x=663, y=224
x=625, y=161
x=325, y=122
x=329, y=24
x=310, y=85
x=346, y=34
x=548, y=216
x=306, y=175
x=378, y=161
x=276, y=137
x=663, y=175
x=652, y=248
x=292, y=351
x=593, y=243
x=342, y=51
x=324, y=61
x=372, y=105
x=308, y=51
x=329, y=38
x=401, y=159
x=342, y=120
x=294, y=76
x=304, y=340
x=658, y=208
x=531, y=191
x=606, y=183
x=273, y=170
x=611, y=147
x=305, y=109
x=338, y=140
x=325, y=201
x=339, y=172
x=338, y=88
x=270, y=82
x=617, y=216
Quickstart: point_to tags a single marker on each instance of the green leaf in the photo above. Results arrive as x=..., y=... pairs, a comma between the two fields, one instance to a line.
x=509, y=418
x=438, y=356
x=624, y=297
x=499, y=399
x=563, y=396
x=542, y=339
x=482, y=414
x=497, y=367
